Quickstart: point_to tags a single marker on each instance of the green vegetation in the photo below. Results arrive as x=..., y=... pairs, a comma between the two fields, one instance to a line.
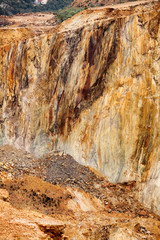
x=62, y=8
x=53, y=5
x=66, y=13
x=9, y=7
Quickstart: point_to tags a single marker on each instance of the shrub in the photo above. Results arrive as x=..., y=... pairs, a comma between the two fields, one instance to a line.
x=66, y=13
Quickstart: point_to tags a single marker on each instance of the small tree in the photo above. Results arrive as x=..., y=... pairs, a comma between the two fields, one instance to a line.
x=66, y=13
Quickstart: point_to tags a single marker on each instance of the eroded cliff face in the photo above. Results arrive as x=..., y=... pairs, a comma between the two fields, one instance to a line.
x=92, y=89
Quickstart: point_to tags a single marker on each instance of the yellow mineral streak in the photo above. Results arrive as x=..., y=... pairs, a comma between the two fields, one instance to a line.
x=92, y=88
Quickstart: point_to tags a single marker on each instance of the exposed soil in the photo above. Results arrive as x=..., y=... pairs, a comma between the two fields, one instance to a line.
x=38, y=21
x=54, y=197
x=74, y=194
x=102, y=3
x=24, y=26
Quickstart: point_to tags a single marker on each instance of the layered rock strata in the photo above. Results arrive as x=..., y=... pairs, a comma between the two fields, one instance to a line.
x=91, y=89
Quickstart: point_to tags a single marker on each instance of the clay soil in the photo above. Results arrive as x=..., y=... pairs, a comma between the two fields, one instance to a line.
x=24, y=26
x=37, y=21
x=89, y=206
x=102, y=3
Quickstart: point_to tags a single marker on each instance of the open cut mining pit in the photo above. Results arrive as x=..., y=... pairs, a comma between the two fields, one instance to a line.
x=82, y=92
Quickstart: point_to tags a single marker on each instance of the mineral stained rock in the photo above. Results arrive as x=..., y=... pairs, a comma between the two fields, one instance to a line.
x=92, y=89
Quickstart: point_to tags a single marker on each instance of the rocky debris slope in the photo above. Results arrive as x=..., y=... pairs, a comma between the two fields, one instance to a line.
x=79, y=203
x=91, y=88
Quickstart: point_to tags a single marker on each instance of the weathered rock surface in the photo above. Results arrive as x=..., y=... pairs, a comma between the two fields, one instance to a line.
x=4, y=195
x=90, y=89
x=80, y=204
x=94, y=3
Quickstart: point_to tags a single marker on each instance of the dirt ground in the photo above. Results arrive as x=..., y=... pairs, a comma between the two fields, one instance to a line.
x=24, y=26
x=38, y=23
x=59, y=187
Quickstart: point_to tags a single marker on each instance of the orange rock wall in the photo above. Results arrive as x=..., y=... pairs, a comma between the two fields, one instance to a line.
x=91, y=89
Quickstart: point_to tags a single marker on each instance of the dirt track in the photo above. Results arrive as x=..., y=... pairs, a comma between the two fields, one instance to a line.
x=38, y=23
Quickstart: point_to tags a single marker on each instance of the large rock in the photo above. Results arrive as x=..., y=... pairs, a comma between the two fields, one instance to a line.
x=4, y=195
x=92, y=89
